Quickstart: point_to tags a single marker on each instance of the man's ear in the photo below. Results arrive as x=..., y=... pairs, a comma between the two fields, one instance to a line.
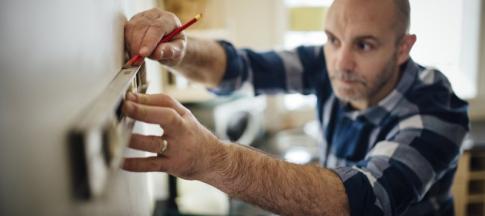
x=405, y=46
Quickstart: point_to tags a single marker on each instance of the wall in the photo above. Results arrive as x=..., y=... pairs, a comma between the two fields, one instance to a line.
x=251, y=23
x=263, y=28
x=477, y=105
x=56, y=57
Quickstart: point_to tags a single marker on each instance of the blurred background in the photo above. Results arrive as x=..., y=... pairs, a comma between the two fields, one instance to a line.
x=58, y=56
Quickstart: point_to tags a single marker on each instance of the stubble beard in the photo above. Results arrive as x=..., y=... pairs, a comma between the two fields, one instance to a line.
x=362, y=90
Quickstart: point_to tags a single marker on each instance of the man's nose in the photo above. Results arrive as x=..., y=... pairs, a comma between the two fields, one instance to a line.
x=345, y=60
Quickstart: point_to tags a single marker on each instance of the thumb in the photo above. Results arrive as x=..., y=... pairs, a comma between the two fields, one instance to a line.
x=171, y=52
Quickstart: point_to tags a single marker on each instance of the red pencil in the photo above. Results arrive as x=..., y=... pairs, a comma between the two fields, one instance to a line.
x=166, y=38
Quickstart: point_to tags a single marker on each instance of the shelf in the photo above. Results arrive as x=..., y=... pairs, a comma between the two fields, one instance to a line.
x=476, y=198
x=477, y=175
x=469, y=185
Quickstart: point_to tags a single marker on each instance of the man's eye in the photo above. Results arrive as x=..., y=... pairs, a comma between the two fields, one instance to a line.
x=332, y=40
x=363, y=46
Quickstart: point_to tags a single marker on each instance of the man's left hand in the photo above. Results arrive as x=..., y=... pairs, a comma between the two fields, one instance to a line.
x=191, y=147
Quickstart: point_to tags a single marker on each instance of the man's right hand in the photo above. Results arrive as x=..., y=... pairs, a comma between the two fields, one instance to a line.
x=146, y=29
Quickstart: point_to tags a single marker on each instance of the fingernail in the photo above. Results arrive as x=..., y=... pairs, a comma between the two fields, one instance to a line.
x=144, y=51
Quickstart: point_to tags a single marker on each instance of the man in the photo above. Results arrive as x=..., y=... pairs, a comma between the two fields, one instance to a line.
x=392, y=129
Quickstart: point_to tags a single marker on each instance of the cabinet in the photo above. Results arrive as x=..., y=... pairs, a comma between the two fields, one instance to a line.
x=469, y=184
x=305, y=24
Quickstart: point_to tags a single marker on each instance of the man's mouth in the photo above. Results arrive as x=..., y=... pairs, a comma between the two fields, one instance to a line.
x=350, y=82
x=348, y=78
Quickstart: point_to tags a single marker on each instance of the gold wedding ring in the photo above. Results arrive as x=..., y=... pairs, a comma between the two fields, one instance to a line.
x=163, y=147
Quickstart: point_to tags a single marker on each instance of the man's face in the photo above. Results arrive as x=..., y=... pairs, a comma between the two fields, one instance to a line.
x=361, y=52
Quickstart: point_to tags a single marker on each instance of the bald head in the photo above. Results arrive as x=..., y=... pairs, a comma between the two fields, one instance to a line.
x=393, y=13
x=403, y=11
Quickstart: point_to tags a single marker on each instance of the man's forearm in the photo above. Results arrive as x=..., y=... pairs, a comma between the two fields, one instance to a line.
x=204, y=61
x=276, y=185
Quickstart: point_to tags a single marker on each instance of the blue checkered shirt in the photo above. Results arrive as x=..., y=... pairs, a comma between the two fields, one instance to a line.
x=396, y=158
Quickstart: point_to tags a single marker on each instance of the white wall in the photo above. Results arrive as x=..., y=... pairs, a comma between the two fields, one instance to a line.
x=56, y=57
x=256, y=24
x=477, y=105
x=448, y=39
x=252, y=24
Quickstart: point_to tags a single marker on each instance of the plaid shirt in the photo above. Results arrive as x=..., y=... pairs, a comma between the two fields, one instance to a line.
x=396, y=158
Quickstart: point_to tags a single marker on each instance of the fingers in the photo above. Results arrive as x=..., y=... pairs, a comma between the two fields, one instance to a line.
x=135, y=36
x=150, y=40
x=148, y=164
x=170, y=53
x=153, y=13
x=146, y=143
x=159, y=100
x=154, y=115
x=145, y=30
x=144, y=38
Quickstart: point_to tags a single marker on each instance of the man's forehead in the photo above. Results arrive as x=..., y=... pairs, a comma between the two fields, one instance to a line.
x=355, y=30
x=365, y=17
x=364, y=4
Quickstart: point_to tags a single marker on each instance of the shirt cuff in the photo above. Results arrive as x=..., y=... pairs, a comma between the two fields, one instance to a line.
x=359, y=192
x=231, y=80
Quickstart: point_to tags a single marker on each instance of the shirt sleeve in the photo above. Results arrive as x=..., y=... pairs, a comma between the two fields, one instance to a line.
x=400, y=170
x=298, y=70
